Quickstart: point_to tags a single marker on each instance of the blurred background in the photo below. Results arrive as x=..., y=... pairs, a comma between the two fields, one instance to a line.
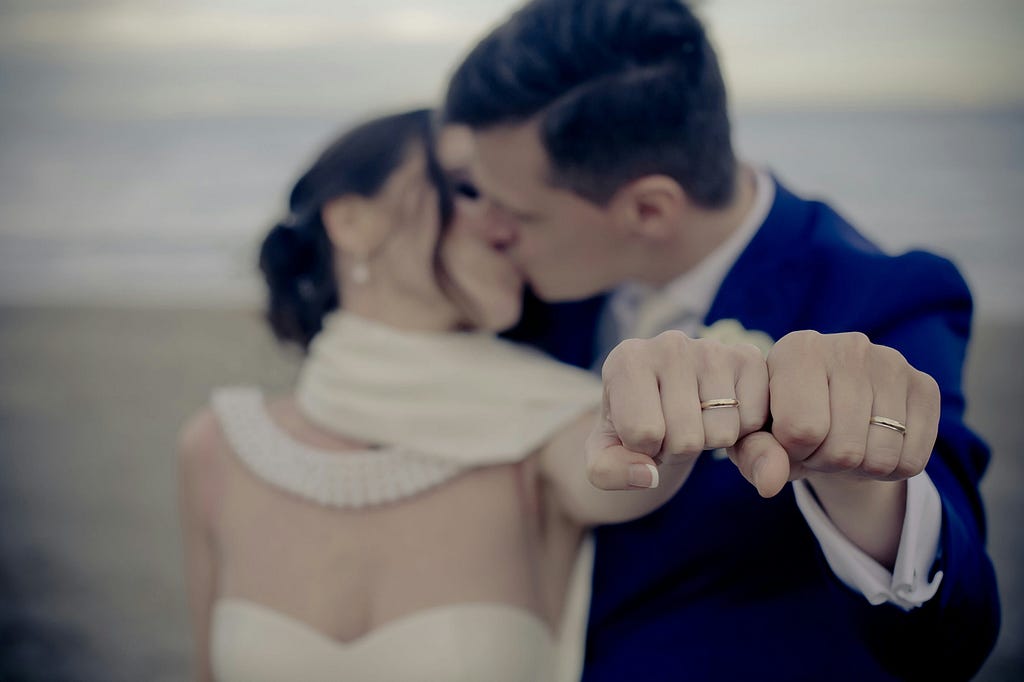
x=146, y=146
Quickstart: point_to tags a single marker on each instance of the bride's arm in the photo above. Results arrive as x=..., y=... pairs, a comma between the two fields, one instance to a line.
x=197, y=495
x=563, y=464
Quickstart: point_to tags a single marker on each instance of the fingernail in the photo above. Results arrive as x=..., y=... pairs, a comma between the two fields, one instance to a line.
x=643, y=475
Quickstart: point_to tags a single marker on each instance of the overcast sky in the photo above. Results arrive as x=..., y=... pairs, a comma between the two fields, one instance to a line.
x=172, y=58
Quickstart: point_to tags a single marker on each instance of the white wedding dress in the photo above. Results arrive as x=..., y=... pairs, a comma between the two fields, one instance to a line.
x=463, y=642
x=452, y=643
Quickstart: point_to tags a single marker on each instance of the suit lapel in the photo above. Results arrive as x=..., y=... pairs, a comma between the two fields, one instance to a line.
x=767, y=285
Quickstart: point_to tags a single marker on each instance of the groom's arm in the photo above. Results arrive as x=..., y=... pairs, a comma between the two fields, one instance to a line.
x=919, y=305
x=826, y=390
x=930, y=325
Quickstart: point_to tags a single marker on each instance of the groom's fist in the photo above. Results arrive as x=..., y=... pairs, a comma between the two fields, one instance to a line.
x=843, y=408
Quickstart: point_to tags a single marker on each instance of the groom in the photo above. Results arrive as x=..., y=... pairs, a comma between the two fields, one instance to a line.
x=603, y=151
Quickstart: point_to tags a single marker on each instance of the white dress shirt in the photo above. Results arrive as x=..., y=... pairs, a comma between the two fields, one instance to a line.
x=639, y=311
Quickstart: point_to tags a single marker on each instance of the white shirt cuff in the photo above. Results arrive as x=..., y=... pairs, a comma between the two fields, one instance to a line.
x=907, y=586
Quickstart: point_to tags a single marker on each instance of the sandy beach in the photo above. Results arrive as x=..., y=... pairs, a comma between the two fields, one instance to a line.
x=90, y=404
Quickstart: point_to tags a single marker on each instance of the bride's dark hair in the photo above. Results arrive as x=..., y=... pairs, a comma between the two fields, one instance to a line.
x=296, y=258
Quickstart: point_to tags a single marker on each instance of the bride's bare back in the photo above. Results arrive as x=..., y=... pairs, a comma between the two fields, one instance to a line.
x=490, y=535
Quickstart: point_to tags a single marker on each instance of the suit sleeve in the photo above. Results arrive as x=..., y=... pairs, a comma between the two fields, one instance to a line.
x=926, y=315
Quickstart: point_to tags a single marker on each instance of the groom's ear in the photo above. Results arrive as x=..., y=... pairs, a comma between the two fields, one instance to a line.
x=649, y=207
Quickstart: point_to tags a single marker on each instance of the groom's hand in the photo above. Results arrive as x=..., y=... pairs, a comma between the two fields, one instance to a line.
x=652, y=420
x=844, y=409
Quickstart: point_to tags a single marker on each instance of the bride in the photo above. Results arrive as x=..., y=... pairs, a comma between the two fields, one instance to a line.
x=417, y=509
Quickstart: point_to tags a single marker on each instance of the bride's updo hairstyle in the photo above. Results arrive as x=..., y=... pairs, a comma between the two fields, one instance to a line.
x=297, y=258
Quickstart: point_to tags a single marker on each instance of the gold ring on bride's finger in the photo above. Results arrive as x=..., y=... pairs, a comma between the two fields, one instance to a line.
x=891, y=424
x=716, y=403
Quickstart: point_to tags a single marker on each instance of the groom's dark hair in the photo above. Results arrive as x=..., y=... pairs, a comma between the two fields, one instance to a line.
x=620, y=89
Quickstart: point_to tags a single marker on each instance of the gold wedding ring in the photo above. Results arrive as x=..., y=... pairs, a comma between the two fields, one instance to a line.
x=891, y=424
x=717, y=403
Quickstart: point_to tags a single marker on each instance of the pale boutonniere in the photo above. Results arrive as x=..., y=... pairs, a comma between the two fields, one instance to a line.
x=731, y=331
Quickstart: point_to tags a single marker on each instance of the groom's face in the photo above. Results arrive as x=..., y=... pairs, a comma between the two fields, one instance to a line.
x=566, y=246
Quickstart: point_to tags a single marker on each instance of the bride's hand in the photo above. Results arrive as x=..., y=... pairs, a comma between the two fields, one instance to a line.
x=666, y=400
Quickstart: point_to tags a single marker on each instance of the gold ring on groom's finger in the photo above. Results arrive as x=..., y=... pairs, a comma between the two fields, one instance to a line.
x=891, y=424
x=716, y=403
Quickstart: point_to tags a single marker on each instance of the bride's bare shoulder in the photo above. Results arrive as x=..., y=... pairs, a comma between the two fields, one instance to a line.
x=201, y=443
x=199, y=438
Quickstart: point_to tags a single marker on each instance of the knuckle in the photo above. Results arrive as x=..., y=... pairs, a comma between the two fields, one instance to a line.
x=672, y=338
x=881, y=463
x=632, y=346
x=803, y=338
x=623, y=354
x=751, y=422
x=642, y=437
x=801, y=433
x=906, y=469
x=675, y=346
x=858, y=341
x=890, y=359
x=798, y=344
x=928, y=389
x=853, y=348
x=687, y=445
x=719, y=438
x=712, y=356
x=911, y=465
x=749, y=353
x=624, y=367
x=754, y=413
x=846, y=456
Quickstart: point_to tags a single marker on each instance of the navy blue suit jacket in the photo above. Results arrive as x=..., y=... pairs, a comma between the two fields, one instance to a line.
x=720, y=584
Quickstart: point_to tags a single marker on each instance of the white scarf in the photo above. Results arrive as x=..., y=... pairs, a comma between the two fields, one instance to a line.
x=469, y=399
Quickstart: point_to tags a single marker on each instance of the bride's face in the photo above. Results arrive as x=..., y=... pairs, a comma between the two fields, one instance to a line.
x=482, y=273
x=403, y=223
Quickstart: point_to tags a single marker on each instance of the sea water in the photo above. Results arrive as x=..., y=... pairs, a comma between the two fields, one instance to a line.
x=171, y=212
